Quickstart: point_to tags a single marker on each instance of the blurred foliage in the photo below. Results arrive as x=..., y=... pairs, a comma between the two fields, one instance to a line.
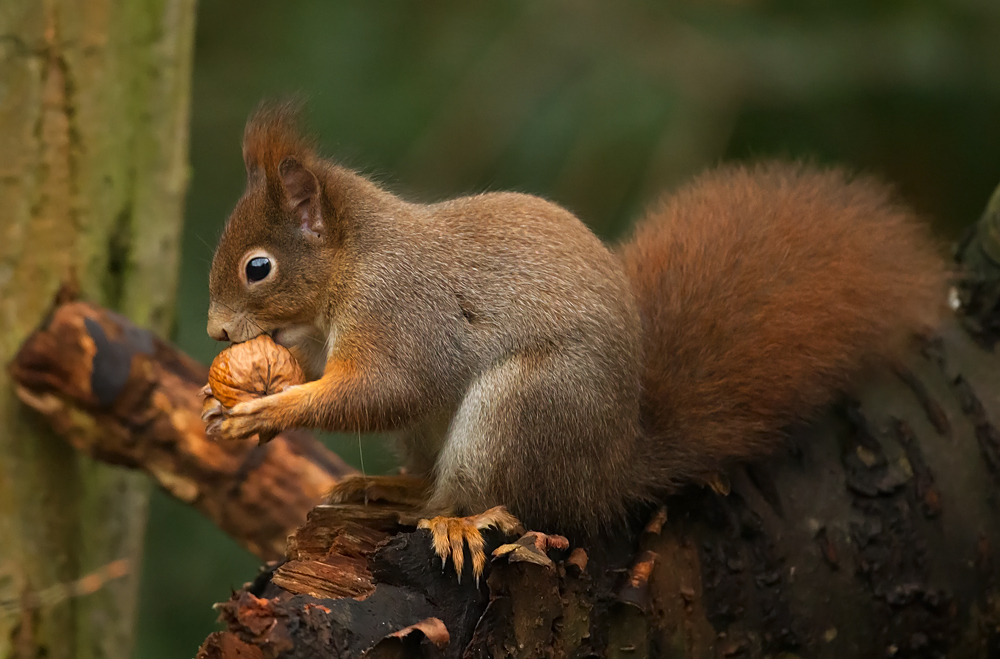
x=596, y=105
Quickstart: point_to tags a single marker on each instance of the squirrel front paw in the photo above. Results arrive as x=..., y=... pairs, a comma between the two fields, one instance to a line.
x=450, y=536
x=252, y=417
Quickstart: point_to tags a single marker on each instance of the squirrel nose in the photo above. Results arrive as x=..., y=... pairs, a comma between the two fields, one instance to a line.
x=217, y=331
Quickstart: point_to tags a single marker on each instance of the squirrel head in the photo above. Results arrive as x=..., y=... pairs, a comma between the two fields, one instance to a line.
x=270, y=266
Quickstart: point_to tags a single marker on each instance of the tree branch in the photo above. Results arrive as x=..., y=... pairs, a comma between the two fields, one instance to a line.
x=119, y=394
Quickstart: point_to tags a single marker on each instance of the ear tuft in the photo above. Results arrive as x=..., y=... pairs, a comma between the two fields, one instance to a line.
x=278, y=156
x=302, y=195
x=271, y=134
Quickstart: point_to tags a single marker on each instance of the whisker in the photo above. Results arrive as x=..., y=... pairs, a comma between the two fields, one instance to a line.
x=317, y=341
x=254, y=322
x=247, y=321
x=199, y=237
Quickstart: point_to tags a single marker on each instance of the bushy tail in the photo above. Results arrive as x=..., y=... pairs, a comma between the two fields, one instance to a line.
x=763, y=290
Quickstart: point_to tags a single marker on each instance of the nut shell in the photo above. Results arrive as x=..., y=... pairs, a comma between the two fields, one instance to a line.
x=255, y=368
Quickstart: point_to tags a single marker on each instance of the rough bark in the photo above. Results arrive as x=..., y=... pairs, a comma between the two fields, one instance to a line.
x=93, y=131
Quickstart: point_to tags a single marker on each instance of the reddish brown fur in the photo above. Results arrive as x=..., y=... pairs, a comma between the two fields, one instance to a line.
x=524, y=365
x=271, y=135
x=763, y=290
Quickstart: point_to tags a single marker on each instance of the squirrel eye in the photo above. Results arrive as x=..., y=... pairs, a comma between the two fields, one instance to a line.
x=258, y=268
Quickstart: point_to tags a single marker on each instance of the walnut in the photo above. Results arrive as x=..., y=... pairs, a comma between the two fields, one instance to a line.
x=259, y=367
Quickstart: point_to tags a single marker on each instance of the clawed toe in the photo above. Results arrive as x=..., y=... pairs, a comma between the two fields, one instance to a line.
x=450, y=536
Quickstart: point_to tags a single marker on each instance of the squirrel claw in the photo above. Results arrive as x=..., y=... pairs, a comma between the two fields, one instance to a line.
x=450, y=536
x=212, y=410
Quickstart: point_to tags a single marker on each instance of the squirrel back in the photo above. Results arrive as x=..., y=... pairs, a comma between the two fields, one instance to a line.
x=762, y=291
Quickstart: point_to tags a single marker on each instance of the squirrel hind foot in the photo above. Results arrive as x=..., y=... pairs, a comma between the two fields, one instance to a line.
x=451, y=535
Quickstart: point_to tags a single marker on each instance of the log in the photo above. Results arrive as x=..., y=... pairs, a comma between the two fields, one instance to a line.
x=121, y=395
x=875, y=533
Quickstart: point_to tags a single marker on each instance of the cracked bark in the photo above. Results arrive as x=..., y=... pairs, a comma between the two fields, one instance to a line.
x=93, y=128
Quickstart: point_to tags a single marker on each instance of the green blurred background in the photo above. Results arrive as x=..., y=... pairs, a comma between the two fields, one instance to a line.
x=596, y=105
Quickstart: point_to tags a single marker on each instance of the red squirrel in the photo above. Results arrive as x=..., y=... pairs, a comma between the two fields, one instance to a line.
x=530, y=368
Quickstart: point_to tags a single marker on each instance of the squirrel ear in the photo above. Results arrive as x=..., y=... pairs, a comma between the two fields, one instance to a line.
x=302, y=191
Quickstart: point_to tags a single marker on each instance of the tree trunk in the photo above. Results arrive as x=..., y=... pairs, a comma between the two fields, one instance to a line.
x=93, y=131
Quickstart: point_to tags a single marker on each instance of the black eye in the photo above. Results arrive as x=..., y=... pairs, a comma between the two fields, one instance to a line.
x=258, y=268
